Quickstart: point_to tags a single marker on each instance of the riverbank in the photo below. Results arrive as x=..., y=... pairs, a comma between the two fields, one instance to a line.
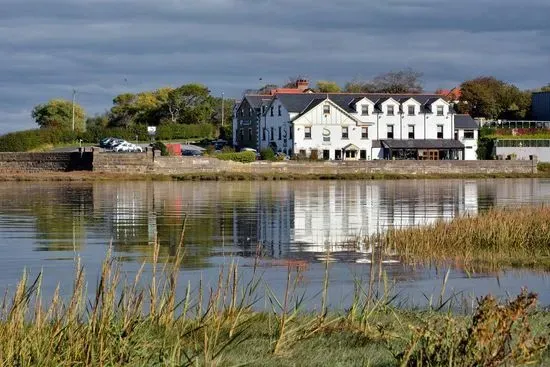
x=90, y=176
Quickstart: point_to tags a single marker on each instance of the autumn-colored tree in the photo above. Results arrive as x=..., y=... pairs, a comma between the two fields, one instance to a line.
x=58, y=113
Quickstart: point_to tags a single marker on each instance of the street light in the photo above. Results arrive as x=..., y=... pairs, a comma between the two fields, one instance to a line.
x=222, y=109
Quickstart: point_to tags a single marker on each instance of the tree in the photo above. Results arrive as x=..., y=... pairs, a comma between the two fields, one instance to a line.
x=491, y=98
x=403, y=81
x=58, y=113
x=141, y=108
x=190, y=104
x=545, y=88
x=325, y=86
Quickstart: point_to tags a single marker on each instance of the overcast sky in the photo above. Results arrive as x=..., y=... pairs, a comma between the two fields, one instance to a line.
x=105, y=47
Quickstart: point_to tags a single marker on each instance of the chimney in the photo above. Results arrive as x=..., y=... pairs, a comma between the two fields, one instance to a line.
x=302, y=84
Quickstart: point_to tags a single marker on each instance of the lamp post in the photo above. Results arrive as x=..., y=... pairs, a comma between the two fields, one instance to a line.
x=74, y=98
x=222, y=108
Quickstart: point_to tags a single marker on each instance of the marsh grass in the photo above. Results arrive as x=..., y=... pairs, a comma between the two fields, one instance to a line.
x=495, y=239
x=141, y=320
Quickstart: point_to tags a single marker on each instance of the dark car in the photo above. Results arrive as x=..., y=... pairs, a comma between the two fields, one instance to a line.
x=191, y=152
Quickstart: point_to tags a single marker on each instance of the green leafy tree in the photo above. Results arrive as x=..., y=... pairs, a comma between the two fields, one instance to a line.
x=546, y=88
x=325, y=86
x=190, y=104
x=58, y=113
x=492, y=98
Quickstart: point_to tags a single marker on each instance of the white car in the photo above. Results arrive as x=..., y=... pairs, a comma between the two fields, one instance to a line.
x=127, y=147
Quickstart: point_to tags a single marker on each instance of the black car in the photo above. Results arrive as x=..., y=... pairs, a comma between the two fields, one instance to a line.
x=191, y=152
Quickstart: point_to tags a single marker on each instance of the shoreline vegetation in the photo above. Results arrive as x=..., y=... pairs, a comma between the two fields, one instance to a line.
x=84, y=176
x=142, y=319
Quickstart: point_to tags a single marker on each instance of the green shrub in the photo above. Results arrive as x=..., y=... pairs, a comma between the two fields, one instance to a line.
x=23, y=141
x=170, y=131
x=243, y=157
x=267, y=154
x=96, y=133
x=162, y=147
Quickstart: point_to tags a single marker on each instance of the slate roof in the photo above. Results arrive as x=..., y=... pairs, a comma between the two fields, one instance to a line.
x=422, y=144
x=297, y=103
x=465, y=122
x=257, y=101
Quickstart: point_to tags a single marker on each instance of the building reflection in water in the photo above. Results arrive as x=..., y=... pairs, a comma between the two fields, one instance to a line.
x=288, y=219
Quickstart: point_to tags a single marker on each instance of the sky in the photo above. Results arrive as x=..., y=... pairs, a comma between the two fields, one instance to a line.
x=102, y=48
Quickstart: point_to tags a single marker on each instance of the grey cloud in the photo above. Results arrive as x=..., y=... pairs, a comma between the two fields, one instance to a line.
x=48, y=48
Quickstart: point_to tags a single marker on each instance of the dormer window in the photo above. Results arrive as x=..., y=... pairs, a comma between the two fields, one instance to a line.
x=365, y=109
x=390, y=110
x=411, y=111
x=279, y=110
x=326, y=109
x=440, y=110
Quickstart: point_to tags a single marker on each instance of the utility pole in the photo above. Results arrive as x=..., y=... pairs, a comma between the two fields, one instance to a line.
x=222, y=110
x=74, y=98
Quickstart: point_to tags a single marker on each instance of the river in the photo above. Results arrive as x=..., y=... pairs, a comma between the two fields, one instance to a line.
x=45, y=225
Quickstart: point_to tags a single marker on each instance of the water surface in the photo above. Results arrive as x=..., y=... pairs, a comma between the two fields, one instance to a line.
x=44, y=226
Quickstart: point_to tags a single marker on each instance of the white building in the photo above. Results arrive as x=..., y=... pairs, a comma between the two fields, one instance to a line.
x=348, y=126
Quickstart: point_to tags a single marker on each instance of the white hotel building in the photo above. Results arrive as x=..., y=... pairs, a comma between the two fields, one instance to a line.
x=349, y=126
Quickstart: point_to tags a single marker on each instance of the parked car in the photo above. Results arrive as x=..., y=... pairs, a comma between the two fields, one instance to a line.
x=191, y=152
x=114, y=143
x=103, y=143
x=127, y=147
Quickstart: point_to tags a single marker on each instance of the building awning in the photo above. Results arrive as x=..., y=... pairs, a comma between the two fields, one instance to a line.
x=351, y=147
x=421, y=144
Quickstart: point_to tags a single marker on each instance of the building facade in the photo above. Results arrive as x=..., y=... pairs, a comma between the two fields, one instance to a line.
x=541, y=106
x=345, y=126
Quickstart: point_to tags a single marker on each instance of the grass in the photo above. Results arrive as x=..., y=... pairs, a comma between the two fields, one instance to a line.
x=497, y=238
x=129, y=321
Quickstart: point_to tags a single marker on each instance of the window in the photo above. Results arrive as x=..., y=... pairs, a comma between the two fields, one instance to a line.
x=411, y=110
x=468, y=134
x=351, y=153
x=272, y=136
x=307, y=132
x=291, y=134
x=263, y=134
x=390, y=132
x=263, y=110
x=390, y=110
x=326, y=109
x=249, y=112
x=302, y=153
x=364, y=133
x=242, y=113
x=326, y=155
x=280, y=134
x=345, y=134
x=362, y=154
x=365, y=109
x=456, y=134
x=241, y=133
x=440, y=131
x=249, y=134
x=440, y=110
x=271, y=111
x=338, y=154
x=411, y=131
x=279, y=110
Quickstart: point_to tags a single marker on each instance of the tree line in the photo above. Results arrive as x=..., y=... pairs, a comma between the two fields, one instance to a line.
x=193, y=103
x=188, y=104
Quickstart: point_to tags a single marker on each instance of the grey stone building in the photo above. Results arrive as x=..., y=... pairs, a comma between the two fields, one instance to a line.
x=246, y=120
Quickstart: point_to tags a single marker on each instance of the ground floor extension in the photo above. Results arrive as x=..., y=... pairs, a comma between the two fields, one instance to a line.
x=390, y=149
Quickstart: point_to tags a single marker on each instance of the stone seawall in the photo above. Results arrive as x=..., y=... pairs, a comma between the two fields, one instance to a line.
x=45, y=162
x=189, y=165
x=149, y=163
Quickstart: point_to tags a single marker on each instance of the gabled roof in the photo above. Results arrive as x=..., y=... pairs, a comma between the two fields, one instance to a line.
x=465, y=122
x=257, y=101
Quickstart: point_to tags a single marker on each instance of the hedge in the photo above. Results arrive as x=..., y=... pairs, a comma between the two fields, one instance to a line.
x=243, y=157
x=185, y=131
x=23, y=141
